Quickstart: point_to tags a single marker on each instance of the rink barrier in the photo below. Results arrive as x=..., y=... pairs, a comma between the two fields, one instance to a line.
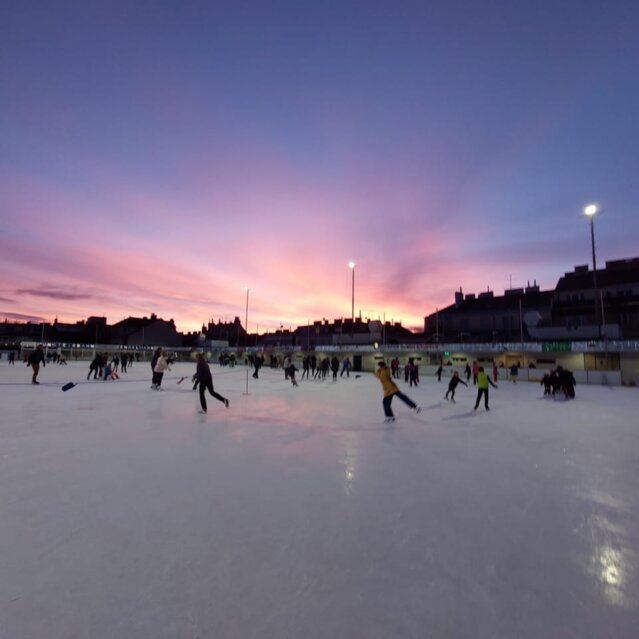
x=571, y=355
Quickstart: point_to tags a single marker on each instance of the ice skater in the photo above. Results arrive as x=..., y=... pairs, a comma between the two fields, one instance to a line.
x=395, y=367
x=475, y=372
x=452, y=385
x=291, y=374
x=439, y=372
x=546, y=382
x=36, y=357
x=158, y=371
x=110, y=373
x=95, y=366
x=482, y=387
x=390, y=390
x=206, y=383
x=257, y=363
x=567, y=382
x=334, y=367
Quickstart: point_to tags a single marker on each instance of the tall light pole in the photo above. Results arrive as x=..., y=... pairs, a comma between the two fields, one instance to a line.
x=246, y=288
x=591, y=210
x=352, y=265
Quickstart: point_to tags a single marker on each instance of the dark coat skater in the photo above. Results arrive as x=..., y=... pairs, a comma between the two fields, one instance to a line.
x=291, y=373
x=95, y=366
x=452, y=385
x=206, y=383
x=36, y=357
x=566, y=382
x=257, y=364
x=413, y=373
x=439, y=372
x=334, y=367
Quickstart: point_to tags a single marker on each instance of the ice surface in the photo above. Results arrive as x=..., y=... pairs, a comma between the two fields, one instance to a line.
x=298, y=513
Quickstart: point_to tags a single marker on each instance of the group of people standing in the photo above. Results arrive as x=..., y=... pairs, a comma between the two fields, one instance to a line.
x=105, y=367
x=559, y=380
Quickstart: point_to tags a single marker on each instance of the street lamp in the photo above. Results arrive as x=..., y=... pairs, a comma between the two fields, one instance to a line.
x=590, y=211
x=246, y=288
x=352, y=265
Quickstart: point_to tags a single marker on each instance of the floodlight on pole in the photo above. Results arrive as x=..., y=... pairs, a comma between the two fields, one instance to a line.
x=590, y=211
x=352, y=266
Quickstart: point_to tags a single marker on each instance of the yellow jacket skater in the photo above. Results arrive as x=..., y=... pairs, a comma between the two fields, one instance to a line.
x=390, y=390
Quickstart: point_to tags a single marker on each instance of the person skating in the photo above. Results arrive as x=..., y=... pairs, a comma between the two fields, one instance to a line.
x=154, y=361
x=257, y=363
x=554, y=381
x=325, y=366
x=475, y=371
x=12, y=358
x=110, y=373
x=452, y=385
x=395, y=367
x=390, y=390
x=291, y=373
x=566, y=382
x=334, y=367
x=439, y=372
x=36, y=357
x=482, y=387
x=346, y=367
x=287, y=365
x=546, y=382
x=158, y=371
x=514, y=372
x=206, y=383
x=95, y=366
x=413, y=373
x=467, y=372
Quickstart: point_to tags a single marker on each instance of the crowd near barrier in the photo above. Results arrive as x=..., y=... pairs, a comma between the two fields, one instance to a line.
x=616, y=363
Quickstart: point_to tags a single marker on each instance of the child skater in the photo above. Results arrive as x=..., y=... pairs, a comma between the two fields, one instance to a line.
x=390, y=390
x=291, y=373
x=206, y=383
x=482, y=387
x=452, y=385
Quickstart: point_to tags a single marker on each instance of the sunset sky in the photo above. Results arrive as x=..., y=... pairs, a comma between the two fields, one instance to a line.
x=161, y=156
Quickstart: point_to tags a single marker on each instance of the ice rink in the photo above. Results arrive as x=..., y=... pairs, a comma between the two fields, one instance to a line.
x=298, y=513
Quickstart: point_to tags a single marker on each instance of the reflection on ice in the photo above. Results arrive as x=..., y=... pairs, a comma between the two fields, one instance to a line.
x=349, y=471
x=609, y=570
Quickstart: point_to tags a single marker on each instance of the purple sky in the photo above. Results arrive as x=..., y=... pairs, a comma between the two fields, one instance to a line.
x=160, y=156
